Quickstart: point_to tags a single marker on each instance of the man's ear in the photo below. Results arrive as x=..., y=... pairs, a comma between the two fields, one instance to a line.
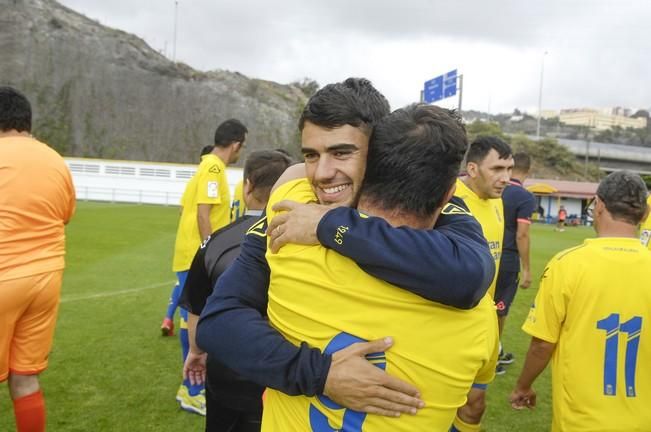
x=247, y=188
x=247, y=193
x=646, y=213
x=450, y=193
x=472, y=169
x=599, y=205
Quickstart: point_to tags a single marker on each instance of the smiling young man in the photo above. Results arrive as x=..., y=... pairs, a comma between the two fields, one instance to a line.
x=335, y=161
x=336, y=125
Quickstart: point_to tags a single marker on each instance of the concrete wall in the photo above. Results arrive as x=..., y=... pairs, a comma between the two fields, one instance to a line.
x=135, y=182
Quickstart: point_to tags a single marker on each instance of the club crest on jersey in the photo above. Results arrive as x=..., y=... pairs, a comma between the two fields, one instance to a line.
x=259, y=228
x=453, y=209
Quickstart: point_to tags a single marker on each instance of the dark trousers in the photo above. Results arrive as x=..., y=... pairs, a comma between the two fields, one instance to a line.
x=220, y=418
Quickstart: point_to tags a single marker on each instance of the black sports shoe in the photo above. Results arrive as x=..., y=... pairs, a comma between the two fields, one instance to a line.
x=500, y=370
x=505, y=358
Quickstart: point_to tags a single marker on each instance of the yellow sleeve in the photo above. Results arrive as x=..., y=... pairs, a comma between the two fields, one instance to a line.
x=209, y=179
x=298, y=190
x=547, y=314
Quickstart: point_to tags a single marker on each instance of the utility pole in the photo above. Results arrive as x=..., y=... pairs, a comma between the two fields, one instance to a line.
x=587, y=154
x=542, y=71
x=176, y=16
x=460, y=94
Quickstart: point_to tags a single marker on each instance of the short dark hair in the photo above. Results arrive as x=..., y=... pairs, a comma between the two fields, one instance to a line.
x=521, y=162
x=262, y=169
x=15, y=110
x=413, y=159
x=283, y=151
x=482, y=145
x=207, y=149
x=230, y=131
x=624, y=194
x=354, y=102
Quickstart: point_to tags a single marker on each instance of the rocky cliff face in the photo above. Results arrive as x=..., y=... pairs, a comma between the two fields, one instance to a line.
x=101, y=92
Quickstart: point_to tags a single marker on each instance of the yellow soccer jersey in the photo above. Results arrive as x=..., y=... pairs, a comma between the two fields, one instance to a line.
x=594, y=302
x=645, y=229
x=326, y=300
x=238, y=207
x=208, y=186
x=490, y=215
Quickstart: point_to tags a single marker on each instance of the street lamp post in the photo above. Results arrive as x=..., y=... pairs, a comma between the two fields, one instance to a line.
x=542, y=71
x=176, y=9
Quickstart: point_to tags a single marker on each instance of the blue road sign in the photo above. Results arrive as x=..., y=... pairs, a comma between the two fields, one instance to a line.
x=441, y=87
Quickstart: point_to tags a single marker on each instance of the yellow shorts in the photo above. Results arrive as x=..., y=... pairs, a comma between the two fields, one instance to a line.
x=28, y=313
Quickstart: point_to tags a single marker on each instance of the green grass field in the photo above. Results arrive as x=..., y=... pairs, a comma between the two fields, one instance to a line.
x=110, y=370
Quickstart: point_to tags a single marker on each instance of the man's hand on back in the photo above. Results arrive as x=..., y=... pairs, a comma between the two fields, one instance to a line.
x=355, y=383
x=297, y=225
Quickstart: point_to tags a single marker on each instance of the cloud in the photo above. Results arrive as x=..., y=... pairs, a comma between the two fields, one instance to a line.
x=597, y=48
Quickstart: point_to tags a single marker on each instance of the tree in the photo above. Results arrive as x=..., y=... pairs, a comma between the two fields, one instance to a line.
x=307, y=85
x=479, y=128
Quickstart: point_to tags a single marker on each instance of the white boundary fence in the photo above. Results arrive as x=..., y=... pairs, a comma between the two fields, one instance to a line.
x=134, y=182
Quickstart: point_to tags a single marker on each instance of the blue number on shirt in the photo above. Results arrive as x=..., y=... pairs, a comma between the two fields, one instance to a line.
x=612, y=327
x=352, y=420
x=633, y=328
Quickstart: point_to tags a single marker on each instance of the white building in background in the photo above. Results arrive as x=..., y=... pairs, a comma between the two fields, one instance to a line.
x=549, y=114
x=600, y=119
x=135, y=182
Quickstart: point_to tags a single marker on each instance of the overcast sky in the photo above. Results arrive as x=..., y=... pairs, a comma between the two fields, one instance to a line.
x=599, y=52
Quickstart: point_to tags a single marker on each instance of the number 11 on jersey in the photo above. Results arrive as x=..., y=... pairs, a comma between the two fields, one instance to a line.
x=612, y=327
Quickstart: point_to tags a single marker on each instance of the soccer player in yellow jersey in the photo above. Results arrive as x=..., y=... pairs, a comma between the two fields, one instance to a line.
x=205, y=208
x=592, y=318
x=489, y=164
x=322, y=298
x=645, y=229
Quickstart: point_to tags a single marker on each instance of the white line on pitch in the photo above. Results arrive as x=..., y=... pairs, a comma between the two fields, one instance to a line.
x=114, y=293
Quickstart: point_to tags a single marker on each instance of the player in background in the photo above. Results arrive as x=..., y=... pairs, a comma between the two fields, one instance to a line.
x=591, y=318
x=167, y=327
x=645, y=229
x=232, y=403
x=206, y=208
x=37, y=199
x=515, y=269
x=489, y=164
x=562, y=215
x=238, y=206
